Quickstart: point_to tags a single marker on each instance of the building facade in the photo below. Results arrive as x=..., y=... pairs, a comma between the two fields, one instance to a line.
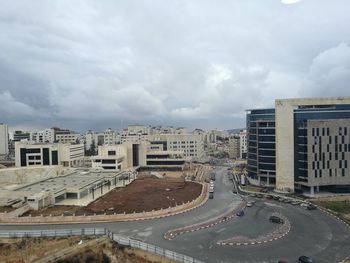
x=243, y=144
x=261, y=146
x=311, y=138
x=41, y=154
x=4, y=139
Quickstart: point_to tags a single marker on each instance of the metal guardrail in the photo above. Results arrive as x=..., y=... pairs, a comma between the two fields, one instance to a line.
x=102, y=232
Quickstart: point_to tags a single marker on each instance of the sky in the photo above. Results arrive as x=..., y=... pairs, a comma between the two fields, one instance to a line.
x=194, y=63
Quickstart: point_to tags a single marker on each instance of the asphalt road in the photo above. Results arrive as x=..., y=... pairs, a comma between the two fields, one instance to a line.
x=313, y=233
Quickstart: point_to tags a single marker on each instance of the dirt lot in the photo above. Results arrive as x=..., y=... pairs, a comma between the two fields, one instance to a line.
x=144, y=194
x=32, y=249
x=112, y=252
x=29, y=249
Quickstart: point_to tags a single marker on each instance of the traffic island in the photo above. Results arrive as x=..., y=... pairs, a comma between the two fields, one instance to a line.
x=281, y=231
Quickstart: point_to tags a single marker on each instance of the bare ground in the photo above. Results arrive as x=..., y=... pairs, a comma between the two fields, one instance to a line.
x=144, y=194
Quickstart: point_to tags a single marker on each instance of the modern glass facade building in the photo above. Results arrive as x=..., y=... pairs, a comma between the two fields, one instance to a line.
x=261, y=155
x=301, y=143
x=302, y=116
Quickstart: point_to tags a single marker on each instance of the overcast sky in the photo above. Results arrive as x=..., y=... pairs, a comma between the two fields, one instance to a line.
x=194, y=63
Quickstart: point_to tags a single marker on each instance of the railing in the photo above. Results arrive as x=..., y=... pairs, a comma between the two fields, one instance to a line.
x=102, y=232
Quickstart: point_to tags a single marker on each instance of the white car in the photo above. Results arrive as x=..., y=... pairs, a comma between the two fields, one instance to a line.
x=249, y=204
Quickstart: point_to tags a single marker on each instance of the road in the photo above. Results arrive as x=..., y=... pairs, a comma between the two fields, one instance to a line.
x=313, y=233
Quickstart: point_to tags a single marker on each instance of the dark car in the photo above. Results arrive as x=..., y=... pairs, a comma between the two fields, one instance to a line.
x=276, y=219
x=275, y=197
x=305, y=259
x=259, y=196
x=269, y=197
x=240, y=213
x=311, y=207
x=264, y=190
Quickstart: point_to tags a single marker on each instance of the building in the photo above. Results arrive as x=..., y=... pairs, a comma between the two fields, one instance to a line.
x=311, y=140
x=243, y=144
x=135, y=133
x=110, y=137
x=112, y=157
x=191, y=145
x=40, y=154
x=137, y=155
x=67, y=137
x=261, y=146
x=234, y=147
x=21, y=135
x=4, y=139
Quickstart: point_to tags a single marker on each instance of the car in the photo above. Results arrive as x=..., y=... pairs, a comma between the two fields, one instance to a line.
x=287, y=201
x=311, y=207
x=240, y=213
x=264, y=190
x=275, y=197
x=249, y=204
x=305, y=205
x=305, y=259
x=276, y=219
x=281, y=199
x=259, y=196
x=295, y=203
x=269, y=197
x=253, y=195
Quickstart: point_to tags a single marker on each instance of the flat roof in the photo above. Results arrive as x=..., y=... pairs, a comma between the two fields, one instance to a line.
x=73, y=181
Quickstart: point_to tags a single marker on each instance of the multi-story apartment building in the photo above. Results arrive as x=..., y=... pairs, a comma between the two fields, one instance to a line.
x=110, y=137
x=67, y=138
x=21, y=135
x=191, y=145
x=243, y=144
x=307, y=141
x=40, y=154
x=4, y=139
x=135, y=133
x=234, y=147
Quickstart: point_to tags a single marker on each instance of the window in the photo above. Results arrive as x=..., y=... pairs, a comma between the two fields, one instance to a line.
x=110, y=153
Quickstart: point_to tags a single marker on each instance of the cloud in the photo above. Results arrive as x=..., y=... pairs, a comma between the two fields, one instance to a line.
x=290, y=2
x=94, y=64
x=329, y=73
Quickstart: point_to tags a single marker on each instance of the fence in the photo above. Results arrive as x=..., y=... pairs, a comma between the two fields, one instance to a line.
x=102, y=232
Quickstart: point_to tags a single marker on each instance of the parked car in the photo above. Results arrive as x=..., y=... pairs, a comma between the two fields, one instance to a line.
x=295, y=203
x=305, y=259
x=249, y=204
x=253, y=195
x=305, y=205
x=281, y=199
x=287, y=201
x=276, y=219
x=264, y=190
x=240, y=213
x=275, y=197
x=269, y=197
x=259, y=196
x=311, y=207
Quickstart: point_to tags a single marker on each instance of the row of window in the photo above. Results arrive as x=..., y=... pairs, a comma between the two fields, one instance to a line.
x=331, y=172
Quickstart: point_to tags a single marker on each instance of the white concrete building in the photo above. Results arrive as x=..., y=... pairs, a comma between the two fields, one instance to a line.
x=41, y=154
x=234, y=148
x=243, y=144
x=4, y=137
x=135, y=133
x=191, y=145
x=67, y=138
x=110, y=157
x=110, y=137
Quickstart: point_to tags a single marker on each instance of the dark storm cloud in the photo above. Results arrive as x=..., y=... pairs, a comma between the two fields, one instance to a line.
x=97, y=64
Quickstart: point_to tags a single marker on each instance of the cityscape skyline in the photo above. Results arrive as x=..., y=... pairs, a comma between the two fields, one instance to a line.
x=88, y=65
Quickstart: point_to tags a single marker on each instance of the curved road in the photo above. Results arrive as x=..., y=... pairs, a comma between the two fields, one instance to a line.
x=313, y=233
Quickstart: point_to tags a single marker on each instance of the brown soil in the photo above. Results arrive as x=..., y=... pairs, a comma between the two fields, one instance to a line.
x=111, y=252
x=30, y=249
x=144, y=194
